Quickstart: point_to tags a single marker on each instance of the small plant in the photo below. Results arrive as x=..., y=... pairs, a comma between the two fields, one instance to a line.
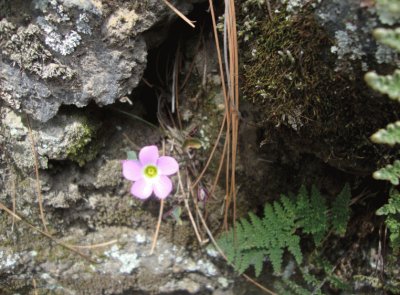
x=390, y=85
x=392, y=212
x=255, y=239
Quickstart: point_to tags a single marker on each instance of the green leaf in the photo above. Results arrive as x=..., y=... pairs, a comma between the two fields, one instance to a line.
x=389, y=84
x=393, y=206
x=312, y=214
x=390, y=173
x=390, y=135
x=389, y=37
x=341, y=211
x=392, y=211
x=131, y=155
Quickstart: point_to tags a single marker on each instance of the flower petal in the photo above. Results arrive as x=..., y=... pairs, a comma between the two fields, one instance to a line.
x=148, y=155
x=132, y=170
x=167, y=165
x=163, y=187
x=142, y=189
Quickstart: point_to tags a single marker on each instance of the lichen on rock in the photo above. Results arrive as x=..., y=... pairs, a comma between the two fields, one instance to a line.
x=120, y=25
x=23, y=47
x=64, y=137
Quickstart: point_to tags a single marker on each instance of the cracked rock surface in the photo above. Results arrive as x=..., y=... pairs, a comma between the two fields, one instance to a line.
x=63, y=52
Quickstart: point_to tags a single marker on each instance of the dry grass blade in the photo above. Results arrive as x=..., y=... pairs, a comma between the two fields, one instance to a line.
x=14, y=199
x=38, y=187
x=210, y=157
x=46, y=234
x=153, y=245
x=34, y=287
x=188, y=209
x=180, y=14
x=230, y=18
x=93, y=246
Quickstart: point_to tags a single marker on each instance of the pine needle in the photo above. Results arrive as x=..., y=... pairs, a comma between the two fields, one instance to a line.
x=46, y=234
x=155, y=237
x=38, y=187
x=93, y=246
x=180, y=14
x=35, y=292
x=14, y=198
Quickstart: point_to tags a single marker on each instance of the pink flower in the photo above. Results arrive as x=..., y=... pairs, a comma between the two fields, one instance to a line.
x=149, y=173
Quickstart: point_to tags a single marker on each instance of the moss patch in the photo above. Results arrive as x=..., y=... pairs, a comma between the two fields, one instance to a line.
x=84, y=149
x=290, y=77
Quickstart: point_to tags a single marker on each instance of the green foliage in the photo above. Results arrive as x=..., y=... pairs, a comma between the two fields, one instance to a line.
x=389, y=13
x=389, y=84
x=390, y=173
x=278, y=231
x=312, y=212
x=390, y=135
x=389, y=37
x=392, y=212
x=341, y=211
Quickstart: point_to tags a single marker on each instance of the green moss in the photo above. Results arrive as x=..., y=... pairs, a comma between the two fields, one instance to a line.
x=84, y=149
x=289, y=74
x=287, y=71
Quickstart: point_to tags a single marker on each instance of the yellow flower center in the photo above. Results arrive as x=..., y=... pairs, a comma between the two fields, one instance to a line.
x=150, y=171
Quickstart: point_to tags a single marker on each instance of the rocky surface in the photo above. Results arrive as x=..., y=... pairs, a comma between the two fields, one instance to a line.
x=57, y=53
x=57, y=56
x=63, y=62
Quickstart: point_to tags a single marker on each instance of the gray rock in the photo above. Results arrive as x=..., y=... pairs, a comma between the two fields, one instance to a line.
x=351, y=24
x=63, y=137
x=74, y=52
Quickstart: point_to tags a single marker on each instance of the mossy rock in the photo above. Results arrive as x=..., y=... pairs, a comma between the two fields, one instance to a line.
x=85, y=147
x=291, y=78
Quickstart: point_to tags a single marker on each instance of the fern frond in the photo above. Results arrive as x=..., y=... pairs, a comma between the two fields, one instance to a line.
x=393, y=206
x=341, y=211
x=389, y=84
x=256, y=237
x=390, y=173
x=293, y=245
x=275, y=256
x=392, y=211
x=269, y=237
x=295, y=288
x=225, y=242
x=312, y=214
x=390, y=135
x=389, y=37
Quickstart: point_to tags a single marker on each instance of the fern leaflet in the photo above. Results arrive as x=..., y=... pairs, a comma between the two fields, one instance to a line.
x=390, y=135
x=341, y=211
x=390, y=173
